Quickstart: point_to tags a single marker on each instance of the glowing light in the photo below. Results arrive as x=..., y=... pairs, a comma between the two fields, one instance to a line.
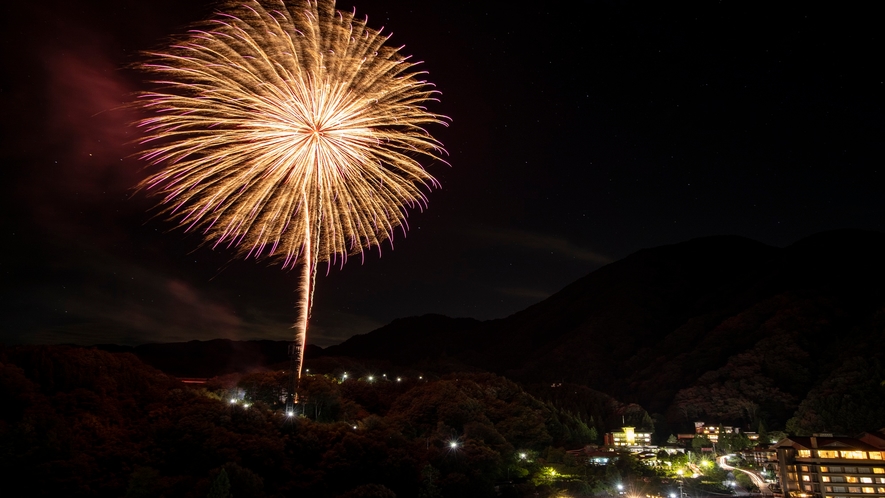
x=399, y=379
x=522, y=456
x=233, y=401
x=371, y=378
x=289, y=131
x=453, y=444
x=290, y=413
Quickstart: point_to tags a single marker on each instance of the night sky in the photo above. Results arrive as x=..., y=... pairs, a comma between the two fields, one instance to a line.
x=581, y=132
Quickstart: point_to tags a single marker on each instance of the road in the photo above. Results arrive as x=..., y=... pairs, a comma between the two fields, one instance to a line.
x=754, y=476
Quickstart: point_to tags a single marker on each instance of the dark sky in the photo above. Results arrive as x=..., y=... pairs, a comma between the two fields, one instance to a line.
x=581, y=132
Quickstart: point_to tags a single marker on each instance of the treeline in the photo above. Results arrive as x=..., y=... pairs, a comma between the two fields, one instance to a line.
x=83, y=422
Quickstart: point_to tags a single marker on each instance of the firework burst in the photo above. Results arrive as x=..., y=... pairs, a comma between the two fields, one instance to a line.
x=290, y=131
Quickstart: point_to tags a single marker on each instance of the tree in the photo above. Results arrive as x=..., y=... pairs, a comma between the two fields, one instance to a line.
x=220, y=487
x=700, y=442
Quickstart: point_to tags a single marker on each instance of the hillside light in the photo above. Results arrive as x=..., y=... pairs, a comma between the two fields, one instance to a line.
x=246, y=405
x=371, y=378
x=453, y=444
x=695, y=475
x=233, y=401
x=620, y=487
x=290, y=413
x=522, y=456
x=399, y=379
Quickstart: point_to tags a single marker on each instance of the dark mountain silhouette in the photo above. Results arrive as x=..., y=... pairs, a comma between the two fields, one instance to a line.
x=721, y=328
x=210, y=358
x=750, y=327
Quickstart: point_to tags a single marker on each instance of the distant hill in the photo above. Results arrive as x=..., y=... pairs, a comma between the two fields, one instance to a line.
x=722, y=328
x=210, y=358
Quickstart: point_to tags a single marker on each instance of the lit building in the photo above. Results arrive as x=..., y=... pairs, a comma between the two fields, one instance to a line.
x=823, y=466
x=629, y=437
x=711, y=432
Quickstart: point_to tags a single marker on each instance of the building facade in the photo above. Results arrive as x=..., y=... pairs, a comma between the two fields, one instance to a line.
x=629, y=437
x=824, y=466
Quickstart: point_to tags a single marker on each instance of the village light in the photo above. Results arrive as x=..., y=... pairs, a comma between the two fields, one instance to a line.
x=522, y=456
x=453, y=444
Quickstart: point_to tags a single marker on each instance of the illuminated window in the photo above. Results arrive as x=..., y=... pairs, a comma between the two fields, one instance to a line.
x=853, y=489
x=866, y=480
x=857, y=455
x=824, y=469
x=881, y=489
x=806, y=478
x=826, y=454
x=804, y=468
x=825, y=478
x=850, y=479
x=869, y=489
x=809, y=487
x=878, y=470
x=875, y=455
x=829, y=489
x=804, y=453
x=880, y=480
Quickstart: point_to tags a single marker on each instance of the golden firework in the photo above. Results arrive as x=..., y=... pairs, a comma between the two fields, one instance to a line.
x=288, y=130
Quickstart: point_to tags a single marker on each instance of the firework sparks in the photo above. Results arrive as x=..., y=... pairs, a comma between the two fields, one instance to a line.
x=288, y=131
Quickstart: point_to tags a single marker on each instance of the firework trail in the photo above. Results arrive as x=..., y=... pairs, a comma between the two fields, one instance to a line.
x=290, y=131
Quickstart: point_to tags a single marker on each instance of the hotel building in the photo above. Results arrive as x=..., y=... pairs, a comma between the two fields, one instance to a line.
x=823, y=466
